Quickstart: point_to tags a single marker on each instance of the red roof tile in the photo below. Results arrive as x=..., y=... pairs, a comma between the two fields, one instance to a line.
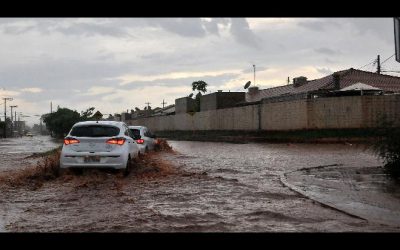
x=347, y=78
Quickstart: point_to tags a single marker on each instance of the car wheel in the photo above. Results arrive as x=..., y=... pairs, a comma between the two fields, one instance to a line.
x=128, y=167
x=59, y=171
x=77, y=171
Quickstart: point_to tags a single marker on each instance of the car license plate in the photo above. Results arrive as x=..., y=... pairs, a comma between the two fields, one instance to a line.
x=89, y=159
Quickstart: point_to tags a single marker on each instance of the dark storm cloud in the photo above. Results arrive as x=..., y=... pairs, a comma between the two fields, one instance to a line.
x=379, y=27
x=315, y=26
x=327, y=51
x=325, y=71
x=55, y=73
x=217, y=80
x=86, y=29
x=188, y=27
x=48, y=26
x=324, y=24
x=258, y=69
x=211, y=27
x=242, y=33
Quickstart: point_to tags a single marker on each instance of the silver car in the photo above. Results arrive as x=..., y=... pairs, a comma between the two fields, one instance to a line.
x=101, y=144
x=144, y=138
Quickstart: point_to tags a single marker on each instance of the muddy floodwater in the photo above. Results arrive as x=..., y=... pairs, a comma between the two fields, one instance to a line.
x=199, y=186
x=14, y=151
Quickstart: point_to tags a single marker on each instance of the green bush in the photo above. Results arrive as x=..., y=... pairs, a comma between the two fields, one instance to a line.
x=387, y=146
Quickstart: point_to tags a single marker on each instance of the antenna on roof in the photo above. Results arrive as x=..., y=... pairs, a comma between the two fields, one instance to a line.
x=254, y=66
x=247, y=85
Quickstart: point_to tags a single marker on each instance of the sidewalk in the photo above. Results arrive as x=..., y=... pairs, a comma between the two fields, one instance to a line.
x=364, y=192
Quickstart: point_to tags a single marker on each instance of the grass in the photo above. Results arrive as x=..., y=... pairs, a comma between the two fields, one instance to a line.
x=46, y=153
x=387, y=146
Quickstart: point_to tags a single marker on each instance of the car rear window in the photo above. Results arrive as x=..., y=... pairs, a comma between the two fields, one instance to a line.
x=135, y=132
x=95, y=131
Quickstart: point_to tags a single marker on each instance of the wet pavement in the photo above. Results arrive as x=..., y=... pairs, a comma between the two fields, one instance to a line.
x=13, y=151
x=201, y=186
x=362, y=191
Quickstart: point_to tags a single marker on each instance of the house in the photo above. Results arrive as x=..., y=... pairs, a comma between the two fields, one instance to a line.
x=328, y=85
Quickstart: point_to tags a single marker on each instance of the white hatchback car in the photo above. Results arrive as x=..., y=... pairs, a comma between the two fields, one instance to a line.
x=100, y=144
x=144, y=138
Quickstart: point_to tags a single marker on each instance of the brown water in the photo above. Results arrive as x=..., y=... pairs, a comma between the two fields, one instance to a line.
x=201, y=186
x=13, y=151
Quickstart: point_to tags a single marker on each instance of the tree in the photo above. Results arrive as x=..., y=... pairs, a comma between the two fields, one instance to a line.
x=59, y=123
x=85, y=115
x=387, y=145
x=200, y=86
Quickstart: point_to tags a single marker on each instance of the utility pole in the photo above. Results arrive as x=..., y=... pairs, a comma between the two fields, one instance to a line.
x=148, y=104
x=254, y=66
x=41, y=126
x=12, y=127
x=288, y=80
x=5, y=114
x=51, y=107
x=15, y=118
x=378, y=66
x=163, y=103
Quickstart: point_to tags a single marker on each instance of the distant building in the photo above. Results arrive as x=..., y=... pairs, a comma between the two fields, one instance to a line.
x=328, y=85
x=147, y=112
x=221, y=100
x=184, y=105
x=168, y=110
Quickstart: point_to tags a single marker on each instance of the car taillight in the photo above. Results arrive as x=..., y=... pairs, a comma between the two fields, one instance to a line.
x=68, y=141
x=118, y=141
x=140, y=141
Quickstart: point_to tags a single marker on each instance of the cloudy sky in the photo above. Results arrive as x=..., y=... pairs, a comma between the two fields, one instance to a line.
x=121, y=63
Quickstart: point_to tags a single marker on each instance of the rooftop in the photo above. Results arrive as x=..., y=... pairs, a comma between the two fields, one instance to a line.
x=347, y=77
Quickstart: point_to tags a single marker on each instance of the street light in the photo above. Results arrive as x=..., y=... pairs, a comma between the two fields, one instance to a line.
x=12, y=127
x=5, y=114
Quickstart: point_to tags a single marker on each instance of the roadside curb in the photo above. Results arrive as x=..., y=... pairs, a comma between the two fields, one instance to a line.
x=283, y=180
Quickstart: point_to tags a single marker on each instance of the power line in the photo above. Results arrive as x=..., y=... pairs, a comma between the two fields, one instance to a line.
x=388, y=59
x=368, y=64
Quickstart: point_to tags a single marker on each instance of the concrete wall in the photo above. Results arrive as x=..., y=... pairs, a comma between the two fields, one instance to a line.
x=284, y=115
x=240, y=118
x=208, y=102
x=184, y=104
x=221, y=100
x=320, y=113
x=335, y=112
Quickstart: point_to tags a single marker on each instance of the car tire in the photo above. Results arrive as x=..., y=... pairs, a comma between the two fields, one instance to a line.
x=59, y=171
x=128, y=167
x=77, y=171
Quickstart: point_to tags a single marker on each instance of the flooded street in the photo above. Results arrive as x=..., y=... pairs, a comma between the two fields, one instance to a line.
x=13, y=151
x=199, y=186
